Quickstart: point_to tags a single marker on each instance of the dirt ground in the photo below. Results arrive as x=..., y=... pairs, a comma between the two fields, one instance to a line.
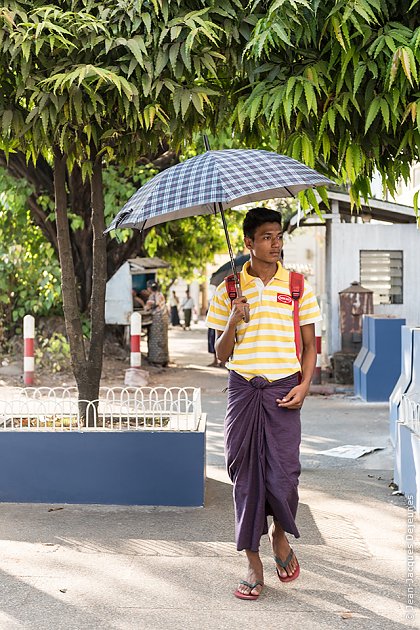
x=186, y=349
x=11, y=373
x=54, y=370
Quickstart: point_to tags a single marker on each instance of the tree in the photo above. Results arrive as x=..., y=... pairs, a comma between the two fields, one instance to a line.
x=70, y=101
x=335, y=84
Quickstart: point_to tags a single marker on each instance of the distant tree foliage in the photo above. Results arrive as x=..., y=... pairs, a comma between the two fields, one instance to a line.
x=29, y=270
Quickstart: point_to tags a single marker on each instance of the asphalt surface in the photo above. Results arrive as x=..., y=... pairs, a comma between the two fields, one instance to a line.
x=75, y=567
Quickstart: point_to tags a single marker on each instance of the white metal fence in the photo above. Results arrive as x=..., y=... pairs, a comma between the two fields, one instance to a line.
x=410, y=412
x=117, y=409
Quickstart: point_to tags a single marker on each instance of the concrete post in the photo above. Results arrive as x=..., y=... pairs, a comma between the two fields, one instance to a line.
x=135, y=331
x=316, y=379
x=29, y=349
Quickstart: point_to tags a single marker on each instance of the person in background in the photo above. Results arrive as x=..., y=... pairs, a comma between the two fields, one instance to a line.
x=211, y=339
x=174, y=314
x=138, y=302
x=157, y=343
x=187, y=307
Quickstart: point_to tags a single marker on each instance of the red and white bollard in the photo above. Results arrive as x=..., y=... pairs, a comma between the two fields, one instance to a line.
x=135, y=334
x=316, y=379
x=28, y=349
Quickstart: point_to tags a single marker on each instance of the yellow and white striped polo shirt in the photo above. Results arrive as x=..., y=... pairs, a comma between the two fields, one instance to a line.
x=265, y=346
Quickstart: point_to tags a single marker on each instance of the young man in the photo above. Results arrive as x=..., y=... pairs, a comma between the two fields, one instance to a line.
x=265, y=394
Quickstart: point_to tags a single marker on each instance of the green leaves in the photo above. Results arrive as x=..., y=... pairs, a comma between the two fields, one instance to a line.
x=6, y=122
x=29, y=269
x=358, y=77
x=79, y=69
x=342, y=93
x=137, y=47
x=312, y=79
x=372, y=112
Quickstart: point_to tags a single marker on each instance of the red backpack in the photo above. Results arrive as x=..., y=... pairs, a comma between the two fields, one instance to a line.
x=296, y=291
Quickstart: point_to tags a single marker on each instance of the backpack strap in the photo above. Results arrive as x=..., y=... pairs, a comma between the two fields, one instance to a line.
x=296, y=291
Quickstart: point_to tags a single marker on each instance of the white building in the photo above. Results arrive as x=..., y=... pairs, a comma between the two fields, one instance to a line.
x=133, y=274
x=380, y=248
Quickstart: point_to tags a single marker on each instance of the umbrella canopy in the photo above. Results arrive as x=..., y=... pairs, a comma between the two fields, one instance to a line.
x=213, y=181
x=219, y=275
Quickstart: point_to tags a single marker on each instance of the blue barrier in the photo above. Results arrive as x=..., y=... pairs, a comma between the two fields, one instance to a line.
x=381, y=368
x=403, y=382
x=363, y=352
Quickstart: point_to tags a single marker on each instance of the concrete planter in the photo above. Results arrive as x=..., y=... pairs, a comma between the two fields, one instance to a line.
x=110, y=467
x=146, y=447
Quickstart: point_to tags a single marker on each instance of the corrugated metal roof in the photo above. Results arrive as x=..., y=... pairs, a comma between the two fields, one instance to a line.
x=145, y=265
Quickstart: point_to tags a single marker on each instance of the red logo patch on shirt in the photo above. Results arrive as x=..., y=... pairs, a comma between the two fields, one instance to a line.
x=284, y=299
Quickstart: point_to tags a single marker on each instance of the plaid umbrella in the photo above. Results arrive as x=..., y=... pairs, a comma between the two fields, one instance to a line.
x=213, y=181
x=227, y=178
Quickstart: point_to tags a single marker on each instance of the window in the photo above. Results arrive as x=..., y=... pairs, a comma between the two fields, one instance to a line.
x=382, y=272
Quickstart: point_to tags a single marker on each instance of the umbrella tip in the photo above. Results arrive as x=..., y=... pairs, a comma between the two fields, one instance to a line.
x=206, y=142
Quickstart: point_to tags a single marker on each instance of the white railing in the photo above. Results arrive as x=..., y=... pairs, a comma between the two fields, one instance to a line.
x=410, y=412
x=117, y=409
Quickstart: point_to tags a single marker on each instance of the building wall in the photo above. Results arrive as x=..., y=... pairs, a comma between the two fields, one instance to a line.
x=304, y=251
x=345, y=240
x=118, y=298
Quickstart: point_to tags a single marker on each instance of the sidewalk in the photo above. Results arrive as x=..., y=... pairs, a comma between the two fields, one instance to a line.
x=139, y=568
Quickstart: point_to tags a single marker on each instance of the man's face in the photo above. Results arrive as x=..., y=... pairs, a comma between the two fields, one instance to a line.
x=267, y=243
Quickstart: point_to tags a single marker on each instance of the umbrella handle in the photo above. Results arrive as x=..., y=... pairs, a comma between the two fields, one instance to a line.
x=246, y=306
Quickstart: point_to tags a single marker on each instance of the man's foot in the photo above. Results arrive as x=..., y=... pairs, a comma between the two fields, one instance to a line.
x=287, y=564
x=253, y=585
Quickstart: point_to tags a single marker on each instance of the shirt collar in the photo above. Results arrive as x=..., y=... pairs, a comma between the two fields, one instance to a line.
x=281, y=274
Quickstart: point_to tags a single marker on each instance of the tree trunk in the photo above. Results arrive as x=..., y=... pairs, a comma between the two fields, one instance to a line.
x=87, y=370
x=68, y=284
x=99, y=277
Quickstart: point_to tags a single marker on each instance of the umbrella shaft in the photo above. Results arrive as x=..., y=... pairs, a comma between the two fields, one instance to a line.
x=232, y=263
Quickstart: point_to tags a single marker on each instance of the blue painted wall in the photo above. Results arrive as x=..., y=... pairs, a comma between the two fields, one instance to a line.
x=381, y=368
x=120, y=468
x=363, y=352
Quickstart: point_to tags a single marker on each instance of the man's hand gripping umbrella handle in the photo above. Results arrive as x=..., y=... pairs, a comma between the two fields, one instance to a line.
x=246, y=306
